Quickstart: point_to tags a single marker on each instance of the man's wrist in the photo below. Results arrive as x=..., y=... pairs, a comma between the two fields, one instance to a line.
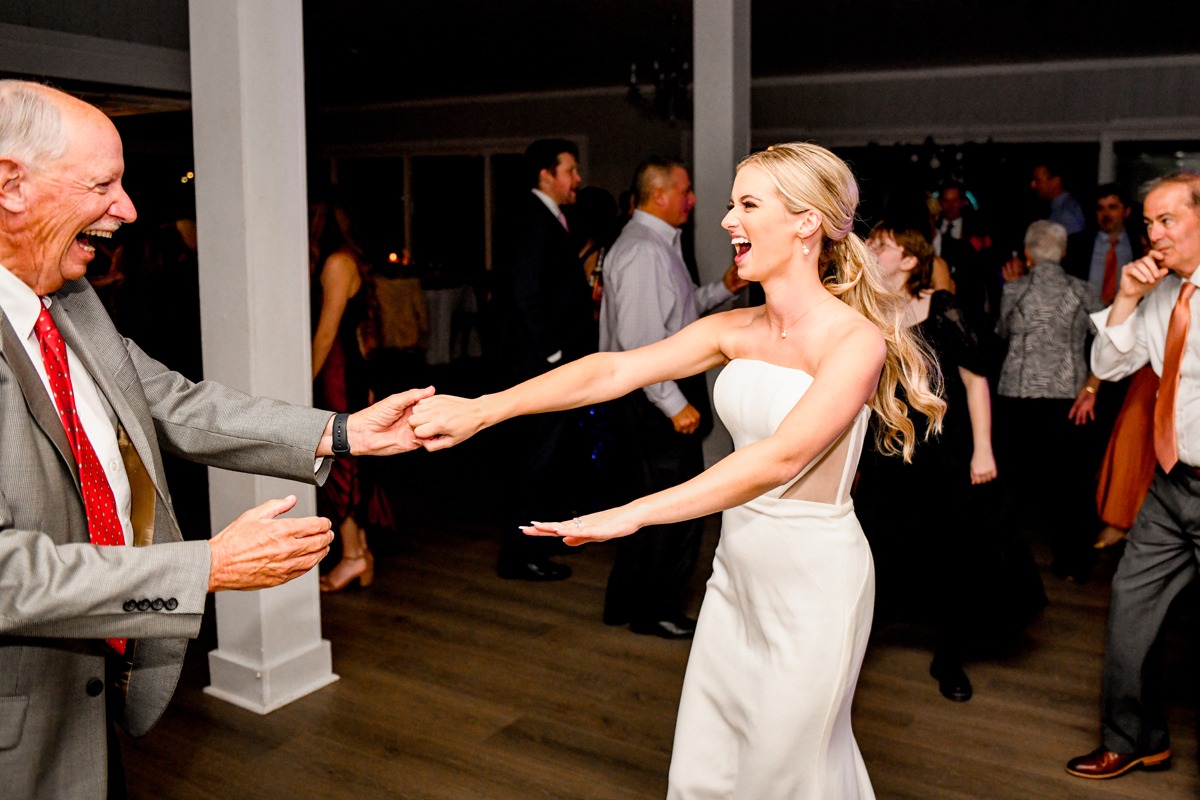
x=340, y=444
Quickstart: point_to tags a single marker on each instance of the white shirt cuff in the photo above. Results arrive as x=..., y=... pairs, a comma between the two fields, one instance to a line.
x=1122, y=337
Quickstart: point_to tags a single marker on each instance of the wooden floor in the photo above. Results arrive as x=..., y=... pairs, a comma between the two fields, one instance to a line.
x=456, y=684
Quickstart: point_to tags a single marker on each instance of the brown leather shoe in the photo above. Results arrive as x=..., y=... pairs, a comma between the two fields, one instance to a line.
x=1103, y=763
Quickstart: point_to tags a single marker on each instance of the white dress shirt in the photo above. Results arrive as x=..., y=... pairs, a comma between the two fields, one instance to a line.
x=22, y=308
x=1123, y=349
x=554, y=209
x=649, y=295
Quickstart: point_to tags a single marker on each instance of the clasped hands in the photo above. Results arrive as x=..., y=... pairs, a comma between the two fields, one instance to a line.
x=261, y=549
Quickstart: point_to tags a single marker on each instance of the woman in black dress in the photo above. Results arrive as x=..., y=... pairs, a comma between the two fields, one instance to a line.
x=919, y=517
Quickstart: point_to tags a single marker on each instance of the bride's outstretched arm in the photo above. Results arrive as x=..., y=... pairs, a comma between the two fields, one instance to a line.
x=444, y=420
x=843, y=383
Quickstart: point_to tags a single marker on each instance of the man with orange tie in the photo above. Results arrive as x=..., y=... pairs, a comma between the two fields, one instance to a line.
x=1096, y=255
x=98, y=591
x=1153, y=319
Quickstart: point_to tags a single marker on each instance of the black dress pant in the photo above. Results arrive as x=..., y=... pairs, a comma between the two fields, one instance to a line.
x=652, y=568
x=544, y=483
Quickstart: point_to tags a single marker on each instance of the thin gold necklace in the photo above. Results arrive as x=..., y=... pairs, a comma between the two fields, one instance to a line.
x=796, y=321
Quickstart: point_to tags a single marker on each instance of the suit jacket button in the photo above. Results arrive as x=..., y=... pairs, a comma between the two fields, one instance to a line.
x=171, y=604
x=130, y=605
x=158, y=604
x=94, y=687
x=143, y=604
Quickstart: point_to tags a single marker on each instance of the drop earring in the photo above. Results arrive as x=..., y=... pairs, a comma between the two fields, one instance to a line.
x=804, y=248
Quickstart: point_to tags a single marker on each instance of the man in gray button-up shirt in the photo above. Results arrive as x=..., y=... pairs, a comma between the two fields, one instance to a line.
x=648, y=296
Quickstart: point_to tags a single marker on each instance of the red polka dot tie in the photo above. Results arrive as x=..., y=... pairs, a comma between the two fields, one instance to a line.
x=104, y=526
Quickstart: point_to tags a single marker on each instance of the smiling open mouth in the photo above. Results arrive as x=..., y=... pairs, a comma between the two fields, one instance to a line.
x=741, y=246
x=86, y=238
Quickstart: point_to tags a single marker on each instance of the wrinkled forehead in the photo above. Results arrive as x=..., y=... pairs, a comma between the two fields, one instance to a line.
x=1169, y=198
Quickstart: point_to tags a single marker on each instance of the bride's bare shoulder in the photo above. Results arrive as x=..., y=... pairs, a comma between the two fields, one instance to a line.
x=847, y=328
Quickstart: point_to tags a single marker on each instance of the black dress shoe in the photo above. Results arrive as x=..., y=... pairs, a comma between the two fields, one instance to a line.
x=952, y=680
x=612, y=617
x=677, y=628
x=533, y=569
x=1103, y=763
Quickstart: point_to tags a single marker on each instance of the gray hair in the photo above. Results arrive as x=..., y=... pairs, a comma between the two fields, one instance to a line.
x=1188, y=180
x=1046, y=242
x=31, y=123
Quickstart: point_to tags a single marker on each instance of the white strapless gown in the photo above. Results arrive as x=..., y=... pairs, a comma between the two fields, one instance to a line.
x=765, y=709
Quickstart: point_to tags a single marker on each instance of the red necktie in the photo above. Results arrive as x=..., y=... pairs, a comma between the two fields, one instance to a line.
x=104, y=526
x=1109, y=289
x=1165, y=446
x=562, y=218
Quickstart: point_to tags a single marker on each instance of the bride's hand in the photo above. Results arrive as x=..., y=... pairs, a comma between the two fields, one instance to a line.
x=444, y=420
x=597, y=527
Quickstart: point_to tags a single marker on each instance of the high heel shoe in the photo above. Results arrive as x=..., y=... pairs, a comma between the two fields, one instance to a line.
x=362, y=571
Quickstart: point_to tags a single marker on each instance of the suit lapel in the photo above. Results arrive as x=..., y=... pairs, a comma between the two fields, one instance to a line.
x=41, y=407
x=107, y=386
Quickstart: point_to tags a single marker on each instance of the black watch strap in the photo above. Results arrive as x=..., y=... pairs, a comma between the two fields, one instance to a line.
x=341, y=441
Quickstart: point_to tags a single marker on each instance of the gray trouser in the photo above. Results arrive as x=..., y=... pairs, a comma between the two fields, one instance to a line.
x=1160, y=560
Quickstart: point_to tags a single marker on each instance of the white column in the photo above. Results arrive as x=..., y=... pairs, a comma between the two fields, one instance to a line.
x=1107, y=168
x=251, y=212
x=721, y=99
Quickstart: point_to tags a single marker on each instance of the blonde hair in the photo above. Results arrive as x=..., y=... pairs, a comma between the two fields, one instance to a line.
x=808, y=176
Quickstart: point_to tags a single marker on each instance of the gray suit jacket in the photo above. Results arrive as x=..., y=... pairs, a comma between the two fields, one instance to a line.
x=59, y=595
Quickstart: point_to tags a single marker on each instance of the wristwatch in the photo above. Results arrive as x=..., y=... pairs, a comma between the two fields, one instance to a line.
x=341, y=441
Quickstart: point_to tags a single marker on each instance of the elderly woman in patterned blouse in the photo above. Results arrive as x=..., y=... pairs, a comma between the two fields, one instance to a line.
x=1046, y=400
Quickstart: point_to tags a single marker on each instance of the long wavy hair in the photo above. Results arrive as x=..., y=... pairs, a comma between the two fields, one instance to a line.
x=330, y=229
x=808, y=176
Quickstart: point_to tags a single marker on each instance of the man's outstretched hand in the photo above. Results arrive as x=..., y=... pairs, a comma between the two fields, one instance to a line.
x=257, y=550
x=381, y=429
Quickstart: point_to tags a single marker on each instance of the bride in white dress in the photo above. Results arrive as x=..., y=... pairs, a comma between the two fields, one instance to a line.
x=765, y=710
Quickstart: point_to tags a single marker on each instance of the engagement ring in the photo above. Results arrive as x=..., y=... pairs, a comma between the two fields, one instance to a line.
x=578, y=524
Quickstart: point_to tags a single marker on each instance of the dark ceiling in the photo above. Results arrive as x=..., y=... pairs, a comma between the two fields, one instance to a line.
x=364, y=51
x=379, y=51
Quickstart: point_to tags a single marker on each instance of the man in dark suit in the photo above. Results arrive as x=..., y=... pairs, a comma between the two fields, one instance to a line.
x=1096, y=254
x=962, y=240
x=545, y=318
x=93, y=630
x=959, y=220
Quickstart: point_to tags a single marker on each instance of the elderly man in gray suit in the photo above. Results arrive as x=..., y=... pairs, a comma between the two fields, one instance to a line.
x=92, y=630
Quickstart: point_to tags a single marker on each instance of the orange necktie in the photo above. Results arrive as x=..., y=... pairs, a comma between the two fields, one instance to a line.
x=1165, y=446
x=1109, y=289
x=104, y=526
